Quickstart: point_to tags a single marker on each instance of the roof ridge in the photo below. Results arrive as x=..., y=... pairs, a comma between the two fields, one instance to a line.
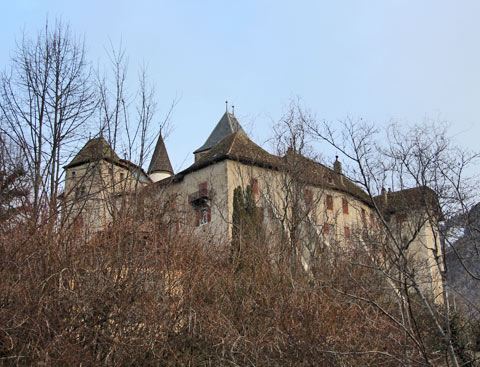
x=233, y=142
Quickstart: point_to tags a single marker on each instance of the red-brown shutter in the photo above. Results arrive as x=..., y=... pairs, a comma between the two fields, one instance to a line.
x=209, y=214
x=198, y=214
x=347, y=231
x=326, y=228
x=345, y=205
x=308, y=197
x=254, y=184
x=260, y=213
x=329, y=202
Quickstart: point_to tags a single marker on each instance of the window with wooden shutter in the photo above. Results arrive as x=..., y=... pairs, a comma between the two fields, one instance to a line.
x=326, y=228
x=345, y=205
x=329, y=202
x=347, y=231
x=308, y=198
x=364, y=216
x=198, y=215
x=254, y=184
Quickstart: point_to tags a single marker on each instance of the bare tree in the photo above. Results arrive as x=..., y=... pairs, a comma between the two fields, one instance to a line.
x=46, y=98
x=423, y=158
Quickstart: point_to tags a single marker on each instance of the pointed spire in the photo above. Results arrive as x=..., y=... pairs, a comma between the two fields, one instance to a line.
x=160, y=161
x=227, y=125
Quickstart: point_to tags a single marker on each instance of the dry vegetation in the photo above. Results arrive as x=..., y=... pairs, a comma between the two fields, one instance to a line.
x=132, y=296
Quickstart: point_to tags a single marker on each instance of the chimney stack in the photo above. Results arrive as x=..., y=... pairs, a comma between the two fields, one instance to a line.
x=337, y=166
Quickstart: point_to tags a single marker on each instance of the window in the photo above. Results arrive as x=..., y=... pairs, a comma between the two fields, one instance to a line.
x=122, y=176
x=308, y=198
x=329, y=202
x=80, y=191
x=73, y=174
x=347, y=231
x=364, y=216
x=329, y=228
x=204, y=215
x=372, y=221
x=254, y=184
x=345, y=205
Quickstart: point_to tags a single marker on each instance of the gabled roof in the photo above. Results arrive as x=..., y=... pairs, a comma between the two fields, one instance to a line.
x=94, y=150
x=227, y=125
x=160, y=160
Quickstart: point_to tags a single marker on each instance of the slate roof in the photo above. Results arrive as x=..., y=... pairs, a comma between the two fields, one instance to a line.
x=227, y=125
x=239, y=147
x=410, y=199
x=97, y=149
x=160, y=160
x=94, y=150
x=318, y=174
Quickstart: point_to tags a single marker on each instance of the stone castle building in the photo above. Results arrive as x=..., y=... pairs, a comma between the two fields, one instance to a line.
x=291, y=192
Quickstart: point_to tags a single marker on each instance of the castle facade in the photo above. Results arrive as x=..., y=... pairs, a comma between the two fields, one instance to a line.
x=293, y=195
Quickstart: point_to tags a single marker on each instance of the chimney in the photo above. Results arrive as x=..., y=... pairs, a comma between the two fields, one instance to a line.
x=337, y=165
x=337, y=168
x=384, y=195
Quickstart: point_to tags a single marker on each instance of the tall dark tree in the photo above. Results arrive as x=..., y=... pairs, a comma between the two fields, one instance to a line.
x=246, y=222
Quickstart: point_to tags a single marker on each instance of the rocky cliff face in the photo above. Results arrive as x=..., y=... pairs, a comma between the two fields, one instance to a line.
x=463, y=259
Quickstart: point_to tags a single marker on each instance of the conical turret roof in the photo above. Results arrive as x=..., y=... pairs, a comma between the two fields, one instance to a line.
x=227, y=125
x=160, y=160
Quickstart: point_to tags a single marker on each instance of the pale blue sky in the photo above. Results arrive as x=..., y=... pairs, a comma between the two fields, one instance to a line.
x=379, y=60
